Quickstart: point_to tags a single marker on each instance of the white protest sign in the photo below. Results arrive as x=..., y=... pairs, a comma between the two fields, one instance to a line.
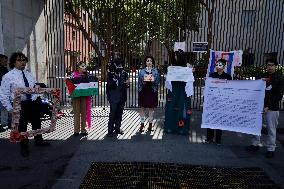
x=233, y=105
x=179, y=45
x=179, y=73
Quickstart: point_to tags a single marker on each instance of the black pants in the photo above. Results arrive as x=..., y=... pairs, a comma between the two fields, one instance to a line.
x=30, y=112
x=211, y=133
x=115, y=116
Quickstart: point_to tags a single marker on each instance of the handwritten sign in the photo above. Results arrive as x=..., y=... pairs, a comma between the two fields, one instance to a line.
x=233, y=105
x=149, y=77
x=179, y=73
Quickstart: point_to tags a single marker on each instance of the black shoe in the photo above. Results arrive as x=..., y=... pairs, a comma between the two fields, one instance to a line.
x=42, y=143
x=75, y=134
x=141, y=129
x=252, y=148
x=209, y=141
x=120, y=132
x=84, y=134
x=218, y=142
x=269, y=154
x=2, y=129
x=150, y=127
x=110, y=135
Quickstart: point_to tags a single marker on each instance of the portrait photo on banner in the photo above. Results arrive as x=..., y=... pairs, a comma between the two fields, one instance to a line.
x=233, y=58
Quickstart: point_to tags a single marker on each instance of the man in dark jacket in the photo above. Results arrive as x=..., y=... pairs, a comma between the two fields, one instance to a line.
x=3, y=71
x=273, y=94
x=116, y=90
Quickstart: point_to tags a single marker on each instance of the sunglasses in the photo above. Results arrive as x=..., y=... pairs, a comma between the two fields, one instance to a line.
x=21, y=60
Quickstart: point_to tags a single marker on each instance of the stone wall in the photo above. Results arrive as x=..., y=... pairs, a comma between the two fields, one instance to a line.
x=23, y=29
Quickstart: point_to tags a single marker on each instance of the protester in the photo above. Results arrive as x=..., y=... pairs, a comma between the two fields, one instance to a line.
x=220, y=74
x=148, y=82
x=178, y=104
x=18, y=77
x=81, y=105
x=273, y=95
x=116, y=90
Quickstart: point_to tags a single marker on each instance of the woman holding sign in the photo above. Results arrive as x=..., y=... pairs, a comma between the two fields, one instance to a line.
x=148, y=82
x=81, y=105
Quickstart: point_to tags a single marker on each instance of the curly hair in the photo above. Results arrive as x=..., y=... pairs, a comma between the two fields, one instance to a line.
x=15, y=56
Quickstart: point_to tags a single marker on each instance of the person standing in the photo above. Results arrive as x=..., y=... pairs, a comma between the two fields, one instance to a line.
x=148, y=82
x=81, y=105
x=219, y=74
x=18, y=77
x=273, y=95
x=116, y=90
x=178, y=104
x=3, y=71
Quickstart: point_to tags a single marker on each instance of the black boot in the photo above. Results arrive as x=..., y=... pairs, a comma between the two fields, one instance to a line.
x=150, y=127
x=141, y=129
x=24, y=144
x=40, y=142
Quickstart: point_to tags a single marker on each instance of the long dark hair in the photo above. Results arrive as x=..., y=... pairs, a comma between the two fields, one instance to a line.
x=153, y=60
x=180, y=60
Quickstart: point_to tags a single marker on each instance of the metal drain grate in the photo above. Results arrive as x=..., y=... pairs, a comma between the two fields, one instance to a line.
x=173, y=176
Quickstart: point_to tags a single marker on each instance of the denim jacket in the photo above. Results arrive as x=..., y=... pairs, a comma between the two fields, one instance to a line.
x=141, y=82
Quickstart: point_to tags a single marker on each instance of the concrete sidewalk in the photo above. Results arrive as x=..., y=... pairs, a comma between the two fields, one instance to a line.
x=65, y=164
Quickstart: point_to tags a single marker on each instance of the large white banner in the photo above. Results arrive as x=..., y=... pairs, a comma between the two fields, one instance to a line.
x=233, y=105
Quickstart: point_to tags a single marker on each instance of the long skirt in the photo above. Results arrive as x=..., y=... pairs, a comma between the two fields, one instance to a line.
x=147, y=97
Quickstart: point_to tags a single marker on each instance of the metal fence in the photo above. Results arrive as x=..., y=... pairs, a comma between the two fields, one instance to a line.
x=75, y=33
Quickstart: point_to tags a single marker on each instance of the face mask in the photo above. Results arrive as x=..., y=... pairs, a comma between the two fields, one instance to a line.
x=119, y=69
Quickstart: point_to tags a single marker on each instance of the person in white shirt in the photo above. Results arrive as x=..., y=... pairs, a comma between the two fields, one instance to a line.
x=18, y=77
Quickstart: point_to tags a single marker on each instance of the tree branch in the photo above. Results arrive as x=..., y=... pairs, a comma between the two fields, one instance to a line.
x=81, y=27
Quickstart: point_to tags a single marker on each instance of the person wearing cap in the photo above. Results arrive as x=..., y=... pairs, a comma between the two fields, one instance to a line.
x=219, y=74
x=273, y=95
x=116, y=90
x=81, y=105
x=3, y=71
x=148, y=82
x=18, y=77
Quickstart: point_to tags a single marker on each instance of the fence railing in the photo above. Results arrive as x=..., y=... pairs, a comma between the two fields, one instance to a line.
x=73, y=34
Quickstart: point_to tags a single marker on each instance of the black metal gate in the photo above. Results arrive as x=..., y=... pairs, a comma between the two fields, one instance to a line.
x=95, y=30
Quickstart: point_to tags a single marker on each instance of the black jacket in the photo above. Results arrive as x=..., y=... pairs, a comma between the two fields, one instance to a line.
x=222, y=76
x=274, y=90
x=3, y=71
x=117, y=90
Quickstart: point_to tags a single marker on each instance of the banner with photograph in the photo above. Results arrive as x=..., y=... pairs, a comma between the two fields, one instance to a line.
x=233, y=58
